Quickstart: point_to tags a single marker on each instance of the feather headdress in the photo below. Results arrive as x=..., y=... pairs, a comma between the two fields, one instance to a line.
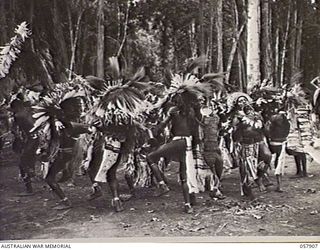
x=56, y=107
x=295, y=95
x=122, y=100
x=267, y=97
x=233, y=98
x=189, y=84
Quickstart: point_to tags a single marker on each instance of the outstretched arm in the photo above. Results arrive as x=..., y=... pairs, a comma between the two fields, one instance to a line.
x=78, y=128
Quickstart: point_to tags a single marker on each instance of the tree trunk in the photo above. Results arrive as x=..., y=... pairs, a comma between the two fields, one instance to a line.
x=284, y=48
x=125, y=29
x=276, y=58
x=210, y=39
x=293, y=38
x=192, y=39
x=100, y=42
x=31, y=14
x=219, y=26
x=201, y=23
x=74, y=45
x=119, y=21
x=3, y=21
x=4, y=24
x=298, y=45
x=241, y=71
x=253, y=44
x=266, y=57
x=237, y=33
x=58, y=33
x=12, y=15
x=165, y=44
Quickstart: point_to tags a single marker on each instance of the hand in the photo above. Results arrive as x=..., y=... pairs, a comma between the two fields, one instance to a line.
x=59, y=125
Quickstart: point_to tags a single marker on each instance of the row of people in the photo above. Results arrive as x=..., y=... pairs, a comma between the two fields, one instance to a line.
x=118, y=119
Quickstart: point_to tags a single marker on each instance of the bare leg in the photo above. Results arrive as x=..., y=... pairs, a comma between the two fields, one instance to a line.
x=298, y=165
x=92, y=172
x=57, y=166
x=247, y=191
x=304, y=165
x=113, y=185
x=279, y=184
x=27, y=182
x=185, y=188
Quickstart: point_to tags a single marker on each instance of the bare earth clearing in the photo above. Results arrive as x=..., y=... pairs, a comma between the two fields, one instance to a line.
x=296, y=212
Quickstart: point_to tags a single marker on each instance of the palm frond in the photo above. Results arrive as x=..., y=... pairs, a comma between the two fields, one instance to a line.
x=9, y=52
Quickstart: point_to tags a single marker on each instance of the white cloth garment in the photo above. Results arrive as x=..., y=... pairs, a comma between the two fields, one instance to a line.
x=190, y=165
x=281, y=161
x=109, y=158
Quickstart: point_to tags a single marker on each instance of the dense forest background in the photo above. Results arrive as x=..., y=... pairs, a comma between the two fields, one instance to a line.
x=79, y=35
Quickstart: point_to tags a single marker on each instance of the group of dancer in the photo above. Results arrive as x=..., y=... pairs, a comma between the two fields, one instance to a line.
x=123, y=122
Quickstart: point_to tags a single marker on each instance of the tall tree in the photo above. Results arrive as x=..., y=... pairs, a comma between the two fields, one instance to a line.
x=253, y=44
x=284, y=47
x=266, y=39
x=201, y=21
x=100, y=40
x=219, y=28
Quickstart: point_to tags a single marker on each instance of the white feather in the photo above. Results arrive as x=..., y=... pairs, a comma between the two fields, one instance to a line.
x=39, y=122
x=37, y=115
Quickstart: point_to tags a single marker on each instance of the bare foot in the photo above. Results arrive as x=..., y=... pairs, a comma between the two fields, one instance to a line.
x=262, y=189
x=279, y=190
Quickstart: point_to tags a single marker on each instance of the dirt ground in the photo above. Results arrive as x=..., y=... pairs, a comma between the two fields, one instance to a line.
x=296, y=212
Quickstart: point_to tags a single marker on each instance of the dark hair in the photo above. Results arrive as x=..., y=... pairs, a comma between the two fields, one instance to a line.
x=16, y=104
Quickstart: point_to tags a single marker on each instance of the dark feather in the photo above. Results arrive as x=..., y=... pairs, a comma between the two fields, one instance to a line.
x=198, y=62
x=140, y=74
x=96, y=82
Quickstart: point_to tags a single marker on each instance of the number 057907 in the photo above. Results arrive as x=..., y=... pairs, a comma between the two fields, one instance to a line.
x=309, y=246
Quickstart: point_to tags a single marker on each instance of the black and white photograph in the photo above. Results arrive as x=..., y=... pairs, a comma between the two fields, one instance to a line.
x=157, y=120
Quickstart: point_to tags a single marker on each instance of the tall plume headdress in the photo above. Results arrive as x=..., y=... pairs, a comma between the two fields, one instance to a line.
x=122, y=101
x=58, y=106
x=188, y=84
x=295, y=95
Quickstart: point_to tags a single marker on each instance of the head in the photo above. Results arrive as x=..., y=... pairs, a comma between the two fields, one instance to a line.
x=242, y=102
x=72, y=108
x=16, y=105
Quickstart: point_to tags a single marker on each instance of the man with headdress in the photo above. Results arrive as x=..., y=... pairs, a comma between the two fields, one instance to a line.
x=182, y=117
x=57, y=117
x=119, y=115
x=248, y=137
x=25, y=143
x=184, y=129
